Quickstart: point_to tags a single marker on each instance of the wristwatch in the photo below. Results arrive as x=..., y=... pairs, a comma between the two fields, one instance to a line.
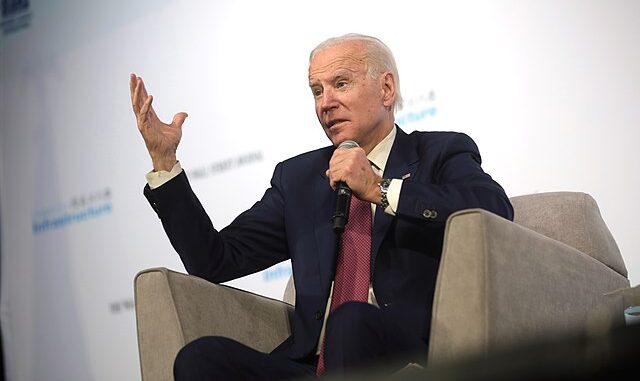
x=384, y=188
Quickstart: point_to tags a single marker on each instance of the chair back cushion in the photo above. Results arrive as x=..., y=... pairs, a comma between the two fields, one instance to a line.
x=572, y=218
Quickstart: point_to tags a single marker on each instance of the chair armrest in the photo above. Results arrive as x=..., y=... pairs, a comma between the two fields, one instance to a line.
x=173, y=309
x=500, y=284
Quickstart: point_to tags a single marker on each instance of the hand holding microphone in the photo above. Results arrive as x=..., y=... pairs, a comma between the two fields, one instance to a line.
x=350, y=174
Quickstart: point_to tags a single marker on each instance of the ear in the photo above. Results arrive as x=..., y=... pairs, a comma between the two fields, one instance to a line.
x=388, y=89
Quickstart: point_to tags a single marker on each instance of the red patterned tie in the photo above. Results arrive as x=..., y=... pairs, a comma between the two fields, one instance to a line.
x=351, y=282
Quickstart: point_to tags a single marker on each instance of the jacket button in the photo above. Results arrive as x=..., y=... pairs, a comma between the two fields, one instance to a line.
x=318, y=315
x=428, y=213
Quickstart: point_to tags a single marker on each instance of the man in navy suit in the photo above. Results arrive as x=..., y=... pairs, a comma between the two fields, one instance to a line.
x=410, y=182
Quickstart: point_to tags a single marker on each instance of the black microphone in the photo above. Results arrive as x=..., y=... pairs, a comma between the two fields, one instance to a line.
x=341, y=215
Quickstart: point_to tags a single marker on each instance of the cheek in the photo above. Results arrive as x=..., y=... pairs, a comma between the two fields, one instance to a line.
x=366, y=102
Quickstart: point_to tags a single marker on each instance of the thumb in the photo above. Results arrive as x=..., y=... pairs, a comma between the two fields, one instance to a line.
x=179, y=118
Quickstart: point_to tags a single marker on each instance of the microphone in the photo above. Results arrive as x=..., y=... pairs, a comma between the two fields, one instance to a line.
x=341, y=215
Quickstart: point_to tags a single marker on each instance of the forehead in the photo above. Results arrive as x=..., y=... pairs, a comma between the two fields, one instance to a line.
x=346, y=56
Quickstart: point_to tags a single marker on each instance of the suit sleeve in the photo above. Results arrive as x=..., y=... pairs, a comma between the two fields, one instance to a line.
x=456, y=181
x=254, y=241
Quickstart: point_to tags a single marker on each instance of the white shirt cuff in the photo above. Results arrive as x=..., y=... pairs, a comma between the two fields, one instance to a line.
x=393, y=196
x=156, y=179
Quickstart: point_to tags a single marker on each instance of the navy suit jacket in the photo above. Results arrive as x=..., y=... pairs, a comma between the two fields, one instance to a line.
x=293, y=221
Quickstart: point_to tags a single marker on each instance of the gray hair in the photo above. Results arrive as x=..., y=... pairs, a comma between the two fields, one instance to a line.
x=378, y=57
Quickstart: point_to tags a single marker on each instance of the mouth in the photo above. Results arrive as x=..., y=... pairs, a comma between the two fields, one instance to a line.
x=333, y=122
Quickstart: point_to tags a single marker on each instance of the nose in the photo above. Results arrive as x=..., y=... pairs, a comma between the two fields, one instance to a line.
x=328, y=101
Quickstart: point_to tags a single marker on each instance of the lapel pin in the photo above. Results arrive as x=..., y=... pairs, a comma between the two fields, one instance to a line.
x=406, y=176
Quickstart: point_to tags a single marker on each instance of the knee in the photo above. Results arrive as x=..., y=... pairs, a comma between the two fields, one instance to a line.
x=352, y=336
x=199, y=353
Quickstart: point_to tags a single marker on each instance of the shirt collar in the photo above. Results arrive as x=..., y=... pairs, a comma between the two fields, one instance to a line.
x=380, y=153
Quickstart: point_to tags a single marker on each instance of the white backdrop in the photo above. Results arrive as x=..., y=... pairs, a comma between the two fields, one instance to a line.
x=548, y=89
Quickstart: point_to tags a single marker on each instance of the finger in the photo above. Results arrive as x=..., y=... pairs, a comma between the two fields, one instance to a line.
x=333, y=184
x=145, y=106
x=343, y=156
x=328, y=174
x=132, y=85
x=337, y=165
x=143, y=111
x=143, y=89
x=179, y=118
x=141, y=92
x=336, y=159
x=143, y=95
x=335, y=176
x=136, y=98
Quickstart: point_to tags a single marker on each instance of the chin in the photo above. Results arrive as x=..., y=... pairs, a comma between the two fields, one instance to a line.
x=334, y=138
x=338, y=135
x=339, y=138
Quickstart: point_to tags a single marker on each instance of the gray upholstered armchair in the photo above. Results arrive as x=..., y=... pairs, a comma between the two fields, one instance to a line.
x=556, y=269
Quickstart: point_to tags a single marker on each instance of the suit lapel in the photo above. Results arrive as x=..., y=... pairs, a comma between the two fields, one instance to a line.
x=403, y=160
x=326, y=240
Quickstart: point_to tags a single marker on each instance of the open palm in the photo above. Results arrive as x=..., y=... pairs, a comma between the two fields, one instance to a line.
x=160, y=138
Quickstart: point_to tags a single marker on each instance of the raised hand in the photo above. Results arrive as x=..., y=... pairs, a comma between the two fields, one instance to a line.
x=160, y=138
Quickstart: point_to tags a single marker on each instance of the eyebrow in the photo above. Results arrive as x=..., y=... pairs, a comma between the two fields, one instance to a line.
x=342, y=72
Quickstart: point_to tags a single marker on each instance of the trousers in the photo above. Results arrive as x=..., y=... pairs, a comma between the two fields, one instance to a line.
x=357, y=335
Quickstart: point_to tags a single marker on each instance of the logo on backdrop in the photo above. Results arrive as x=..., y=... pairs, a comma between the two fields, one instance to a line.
x=225, y=165
x=79, y=209
x=418, y=109
x=120, y=306
x=277, y=272
x=16, y=15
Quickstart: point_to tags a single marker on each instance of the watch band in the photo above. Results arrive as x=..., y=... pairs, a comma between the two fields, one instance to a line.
x=384, y=188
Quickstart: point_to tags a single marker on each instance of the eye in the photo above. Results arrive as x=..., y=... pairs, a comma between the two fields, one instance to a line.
x=316, y=91
x=341, y=84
